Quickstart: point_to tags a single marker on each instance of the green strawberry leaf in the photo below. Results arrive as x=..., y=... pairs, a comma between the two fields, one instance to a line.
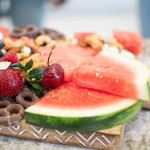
x=29, y=64
x=34, y=73
x=15, y=65
x=34, y=81
x=39, y=78
x=37, y=86
x=22, y=67
x=15, y=68
x=36, y=91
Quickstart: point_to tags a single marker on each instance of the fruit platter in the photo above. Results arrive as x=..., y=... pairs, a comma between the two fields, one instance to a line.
x=81, y=90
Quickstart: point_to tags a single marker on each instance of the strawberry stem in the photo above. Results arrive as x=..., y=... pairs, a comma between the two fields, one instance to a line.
x=53, y=47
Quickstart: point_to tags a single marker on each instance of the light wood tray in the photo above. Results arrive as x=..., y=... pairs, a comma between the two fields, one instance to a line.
x=104, y=139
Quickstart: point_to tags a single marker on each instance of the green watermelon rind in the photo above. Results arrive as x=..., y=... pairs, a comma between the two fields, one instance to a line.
x=148, y=87
x=84, y=124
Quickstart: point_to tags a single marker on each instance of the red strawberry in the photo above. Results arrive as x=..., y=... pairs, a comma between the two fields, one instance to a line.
x=4, y=31
x=10, y=57
x=11, y=82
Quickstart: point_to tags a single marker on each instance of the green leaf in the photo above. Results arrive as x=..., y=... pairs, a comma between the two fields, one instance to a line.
x=15, y=65
x=148, y=86
x=22, y=67
x=37, y=86
x=29, y=64
x=15, y=68
x=33, y=82
x=35, y=73
x=36, y=91
x=40, y=77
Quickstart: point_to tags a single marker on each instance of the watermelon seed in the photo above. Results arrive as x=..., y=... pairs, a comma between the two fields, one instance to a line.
x=97, y=74
x=101, y=76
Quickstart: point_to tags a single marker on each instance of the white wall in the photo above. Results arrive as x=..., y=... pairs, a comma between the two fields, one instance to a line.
x=97, y=6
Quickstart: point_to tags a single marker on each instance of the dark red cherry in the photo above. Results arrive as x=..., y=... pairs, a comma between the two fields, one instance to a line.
x=53, y=74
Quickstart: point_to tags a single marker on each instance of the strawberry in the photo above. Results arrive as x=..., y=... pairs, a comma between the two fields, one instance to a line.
x=10, y=57
x=11, y=82
x=4, y=31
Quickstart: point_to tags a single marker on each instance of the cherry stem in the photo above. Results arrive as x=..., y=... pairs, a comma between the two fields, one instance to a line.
x=53, y=47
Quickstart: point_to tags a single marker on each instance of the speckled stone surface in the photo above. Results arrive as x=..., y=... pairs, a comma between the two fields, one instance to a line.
x=137, y=132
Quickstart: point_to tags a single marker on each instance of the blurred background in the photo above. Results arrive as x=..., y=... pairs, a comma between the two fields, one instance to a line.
x=74, y=15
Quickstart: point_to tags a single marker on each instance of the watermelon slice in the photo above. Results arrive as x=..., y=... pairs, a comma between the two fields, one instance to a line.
x=82, y=35
x=73, y=108
x=130, y=40
x=116, y=74
x=5, y=32
x=68, y=56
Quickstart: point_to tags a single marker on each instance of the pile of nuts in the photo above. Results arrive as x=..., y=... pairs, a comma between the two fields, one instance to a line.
x=96, y=41
x=26, y=53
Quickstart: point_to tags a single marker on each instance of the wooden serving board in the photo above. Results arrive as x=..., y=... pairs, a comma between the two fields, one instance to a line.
x=104, y=139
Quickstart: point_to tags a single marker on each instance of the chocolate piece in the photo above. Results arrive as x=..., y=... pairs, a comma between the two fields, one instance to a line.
x=7, y=111
x=1, y=45
x=43, y=92
x=8, y=98
x=25, y=30
x=15, y=109
x=32, y=31
x=55, y=35
x=26, y=98
x=18, y=32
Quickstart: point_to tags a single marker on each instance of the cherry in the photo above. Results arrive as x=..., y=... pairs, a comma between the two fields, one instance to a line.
x=53, y=74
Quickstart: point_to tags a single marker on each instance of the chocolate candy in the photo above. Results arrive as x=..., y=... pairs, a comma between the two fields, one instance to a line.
x=55, y=35
x=7, y=111
x=1, y=45
x=8, y=98
x=25, y=30
x=26, y=98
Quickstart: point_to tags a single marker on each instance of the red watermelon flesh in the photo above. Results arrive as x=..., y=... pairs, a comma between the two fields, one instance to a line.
x=102, y=73
x=5, y=32
x=115, y=74
x=66, y=49
x=71, y=96
x=68, y=56
x=82, y=35
x=130, y=40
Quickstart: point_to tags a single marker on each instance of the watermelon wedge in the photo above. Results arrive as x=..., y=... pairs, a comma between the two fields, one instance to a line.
x=72, y=108
x=5, y=32
x=130, y=40
x=82, y=35
x=116, y=74
x=69, y=56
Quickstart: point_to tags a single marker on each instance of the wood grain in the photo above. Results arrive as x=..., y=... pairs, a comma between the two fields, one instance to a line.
x=104, y=139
